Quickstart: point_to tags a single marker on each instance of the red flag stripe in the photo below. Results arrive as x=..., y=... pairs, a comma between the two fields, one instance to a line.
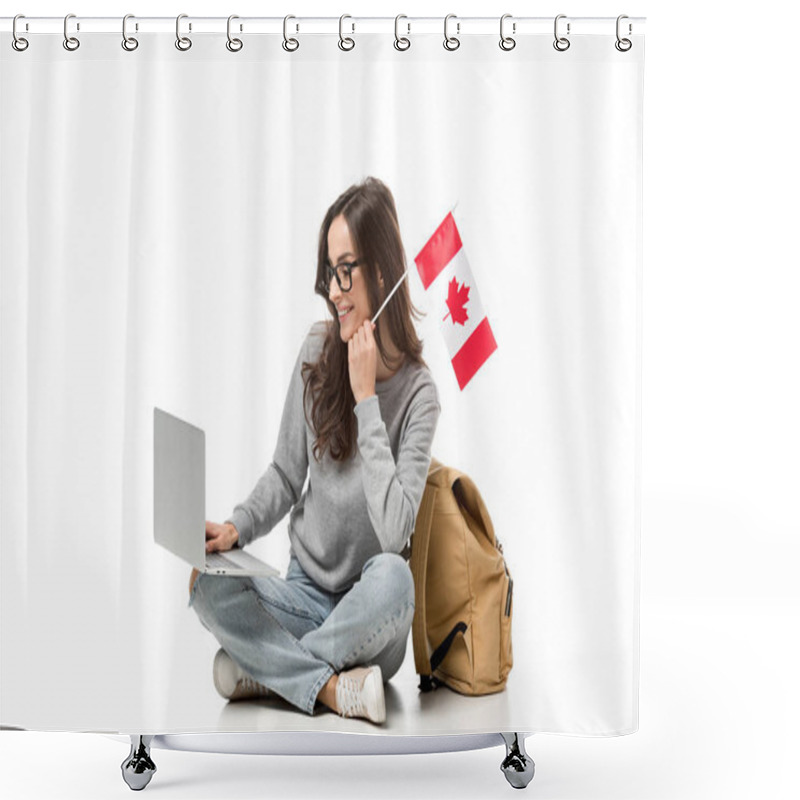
x=474, y=352
x=439, y=251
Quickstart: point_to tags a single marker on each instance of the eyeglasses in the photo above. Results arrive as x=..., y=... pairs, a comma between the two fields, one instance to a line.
x=343, y=274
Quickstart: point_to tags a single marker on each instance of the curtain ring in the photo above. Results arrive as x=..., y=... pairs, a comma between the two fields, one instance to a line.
x=70, y=42
x=183, y=43
x=128, y=42
x=451, y=42
x=234, y=45
x=348, y=43
x=506, y=42
x=401, y=43
x=623, y=45
x=18, y=43
x=561, y=43
x=290, y=45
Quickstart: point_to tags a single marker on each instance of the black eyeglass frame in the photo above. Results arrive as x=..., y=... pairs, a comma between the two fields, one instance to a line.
x=347, y=267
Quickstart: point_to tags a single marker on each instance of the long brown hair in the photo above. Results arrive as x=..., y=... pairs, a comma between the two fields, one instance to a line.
x=369, y=209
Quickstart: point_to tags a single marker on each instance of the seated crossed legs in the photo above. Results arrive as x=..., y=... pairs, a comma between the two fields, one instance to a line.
x=293, y=638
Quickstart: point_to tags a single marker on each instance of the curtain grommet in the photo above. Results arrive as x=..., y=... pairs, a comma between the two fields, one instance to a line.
x=70, y=42
x=623, y=45
x=506, y=42
x=345, y=42
x=19, y=43
x=561, y=43
x=183, y=43
x=289, y=44
x=233, y=45
x=129, y=43
x=451, y=43
x=401, y=43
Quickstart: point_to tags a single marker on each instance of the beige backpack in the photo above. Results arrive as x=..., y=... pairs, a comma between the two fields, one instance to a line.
x=462, y=616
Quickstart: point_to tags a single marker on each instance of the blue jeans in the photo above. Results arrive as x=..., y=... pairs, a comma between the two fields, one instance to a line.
x=292, y=636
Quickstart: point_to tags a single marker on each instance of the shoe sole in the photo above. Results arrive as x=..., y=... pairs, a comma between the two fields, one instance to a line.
x=218, y=658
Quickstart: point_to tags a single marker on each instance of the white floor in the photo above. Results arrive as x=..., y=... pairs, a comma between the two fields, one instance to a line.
x=408, y=711
x=719, y=711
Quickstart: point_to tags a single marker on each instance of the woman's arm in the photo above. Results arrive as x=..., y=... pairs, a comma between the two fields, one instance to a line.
x=394, y=490
x=281, y=486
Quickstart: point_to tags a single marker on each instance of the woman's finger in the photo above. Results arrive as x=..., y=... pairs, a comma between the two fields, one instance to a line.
x=218, y=541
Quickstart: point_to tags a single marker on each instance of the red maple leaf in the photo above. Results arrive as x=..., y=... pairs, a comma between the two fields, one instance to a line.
x=457, y=298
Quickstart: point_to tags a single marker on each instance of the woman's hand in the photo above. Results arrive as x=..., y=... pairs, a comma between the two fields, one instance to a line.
x=362, y=359
x=220, y=537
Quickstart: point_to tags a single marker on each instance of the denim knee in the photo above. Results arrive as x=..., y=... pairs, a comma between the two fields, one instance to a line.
x=211, y=589
x=394, y=575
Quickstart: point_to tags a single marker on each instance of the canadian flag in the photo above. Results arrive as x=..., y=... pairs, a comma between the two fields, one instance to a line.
x=448, y=281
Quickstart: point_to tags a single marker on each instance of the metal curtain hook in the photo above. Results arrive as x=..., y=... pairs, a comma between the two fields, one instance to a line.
x=506, y=42
x=290, y=45
x=623, y=45
x=181, y=42
x=128, y=42
x=70, y=42
x=451, y=42
x=234, y=45
x=401, y=43
x=345, y=43
x=561, y=43
x=18, y=43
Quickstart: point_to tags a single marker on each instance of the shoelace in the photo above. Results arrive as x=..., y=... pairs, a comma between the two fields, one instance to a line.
x=250, y=685
x=348, y=696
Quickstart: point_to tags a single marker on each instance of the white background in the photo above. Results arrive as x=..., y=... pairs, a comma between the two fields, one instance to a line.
x=721, y=435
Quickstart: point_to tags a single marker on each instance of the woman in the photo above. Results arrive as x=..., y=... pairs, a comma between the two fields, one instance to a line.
x=359, y=419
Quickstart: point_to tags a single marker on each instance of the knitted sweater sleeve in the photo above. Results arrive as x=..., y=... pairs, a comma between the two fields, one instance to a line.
x=394, y=488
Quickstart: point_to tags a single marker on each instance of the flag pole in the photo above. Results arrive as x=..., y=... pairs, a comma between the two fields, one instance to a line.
x=396, y=287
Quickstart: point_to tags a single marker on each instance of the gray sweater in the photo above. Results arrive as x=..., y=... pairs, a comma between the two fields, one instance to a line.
x=352, y=510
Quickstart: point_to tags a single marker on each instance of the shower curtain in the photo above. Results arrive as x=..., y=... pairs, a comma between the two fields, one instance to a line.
x=161, y=210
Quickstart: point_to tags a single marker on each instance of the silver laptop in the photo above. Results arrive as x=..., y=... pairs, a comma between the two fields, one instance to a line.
x=179, y=468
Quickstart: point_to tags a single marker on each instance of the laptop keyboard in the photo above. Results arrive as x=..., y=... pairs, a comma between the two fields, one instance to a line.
x=219, y=561
x=239, y=562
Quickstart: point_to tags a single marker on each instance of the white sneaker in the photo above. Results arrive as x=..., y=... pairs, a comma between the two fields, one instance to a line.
x=359, y=693
x=232, y=682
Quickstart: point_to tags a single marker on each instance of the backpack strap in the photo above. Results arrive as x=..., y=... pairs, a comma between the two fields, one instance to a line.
x=443, y=649
x=419, y=568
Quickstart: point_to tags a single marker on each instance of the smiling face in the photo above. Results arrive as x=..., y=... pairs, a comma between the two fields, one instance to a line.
x=353, y=307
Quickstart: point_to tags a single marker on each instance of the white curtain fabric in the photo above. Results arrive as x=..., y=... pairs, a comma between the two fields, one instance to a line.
x=160, y=216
